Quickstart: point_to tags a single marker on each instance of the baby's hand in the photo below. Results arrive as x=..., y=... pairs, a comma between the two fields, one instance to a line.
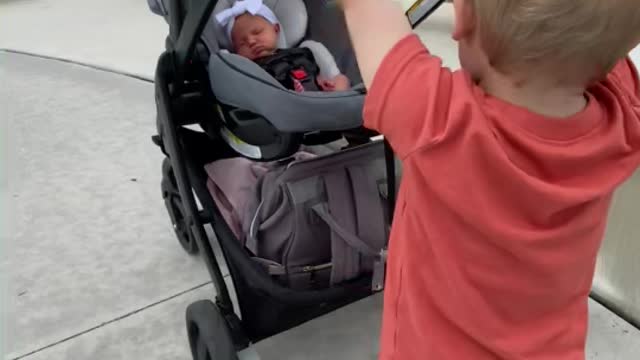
x=338, y=83
x=341, y=83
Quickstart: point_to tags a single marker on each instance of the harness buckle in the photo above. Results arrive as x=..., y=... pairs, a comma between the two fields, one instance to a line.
x=299, y=74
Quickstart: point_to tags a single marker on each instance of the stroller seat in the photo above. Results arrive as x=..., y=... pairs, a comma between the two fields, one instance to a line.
x=241, y=83
x=259, y=118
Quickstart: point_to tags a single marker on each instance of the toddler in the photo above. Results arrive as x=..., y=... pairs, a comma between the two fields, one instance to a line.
x=509, y=167
x=254, y=32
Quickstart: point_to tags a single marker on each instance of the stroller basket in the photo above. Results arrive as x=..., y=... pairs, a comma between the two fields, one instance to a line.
x=250, y=304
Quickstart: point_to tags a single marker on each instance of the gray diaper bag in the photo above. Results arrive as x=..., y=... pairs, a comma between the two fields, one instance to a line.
x=320, y=222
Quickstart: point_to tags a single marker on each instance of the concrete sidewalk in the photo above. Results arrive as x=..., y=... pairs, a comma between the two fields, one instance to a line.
x=93, y=267
x=94, y=270
x=89, y=241
x=122, y=35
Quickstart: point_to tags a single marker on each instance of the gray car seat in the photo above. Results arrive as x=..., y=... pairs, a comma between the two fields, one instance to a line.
x=261, y=119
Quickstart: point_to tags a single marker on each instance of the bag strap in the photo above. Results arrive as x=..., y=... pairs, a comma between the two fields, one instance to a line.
x=371, y=220
x=273, y=268
x=369, y=212
x=353, y=240
x=344, y=217
x=258, y=220
x=341, y=220
x=251, y=242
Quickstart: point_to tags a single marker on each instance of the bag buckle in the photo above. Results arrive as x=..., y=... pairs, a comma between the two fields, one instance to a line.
x=379, y=268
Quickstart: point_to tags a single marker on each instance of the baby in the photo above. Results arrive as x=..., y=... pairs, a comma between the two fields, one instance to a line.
x=254, y=32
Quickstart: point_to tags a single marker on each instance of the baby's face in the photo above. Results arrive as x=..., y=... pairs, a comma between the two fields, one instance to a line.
x=254, y=37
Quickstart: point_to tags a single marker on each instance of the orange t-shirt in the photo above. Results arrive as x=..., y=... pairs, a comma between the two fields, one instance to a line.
x=500, y=213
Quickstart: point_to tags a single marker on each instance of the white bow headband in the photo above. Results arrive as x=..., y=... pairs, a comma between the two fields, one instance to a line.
x=227, y=17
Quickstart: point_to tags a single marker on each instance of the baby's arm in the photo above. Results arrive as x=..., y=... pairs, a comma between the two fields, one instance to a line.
x=338, y=83
x=324, y=59
x=330, y=77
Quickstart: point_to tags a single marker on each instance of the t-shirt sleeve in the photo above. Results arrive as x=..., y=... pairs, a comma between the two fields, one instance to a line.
x=627, y=74
x=408, y=100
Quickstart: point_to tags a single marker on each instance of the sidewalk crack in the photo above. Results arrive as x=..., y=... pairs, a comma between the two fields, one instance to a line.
x=131, y=313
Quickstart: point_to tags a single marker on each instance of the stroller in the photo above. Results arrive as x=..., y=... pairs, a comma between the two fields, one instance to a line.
x=207, y=110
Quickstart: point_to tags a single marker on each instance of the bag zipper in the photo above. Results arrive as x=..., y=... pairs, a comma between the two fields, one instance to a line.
x=314, y=268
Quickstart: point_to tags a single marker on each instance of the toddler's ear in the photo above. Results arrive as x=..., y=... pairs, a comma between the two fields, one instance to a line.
x=277, y=27
x=464, y=19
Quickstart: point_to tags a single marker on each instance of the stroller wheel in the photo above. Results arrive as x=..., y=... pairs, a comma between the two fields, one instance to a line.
x=173, y=203
x=209, y=335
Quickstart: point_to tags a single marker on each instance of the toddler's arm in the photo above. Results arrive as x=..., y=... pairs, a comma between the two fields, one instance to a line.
x=375, y=26
x=410, y=94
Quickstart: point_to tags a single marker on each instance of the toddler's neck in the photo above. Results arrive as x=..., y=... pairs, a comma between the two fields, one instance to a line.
x=540, y=95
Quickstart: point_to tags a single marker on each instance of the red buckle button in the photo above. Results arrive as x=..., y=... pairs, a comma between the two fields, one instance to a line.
x=299, y=74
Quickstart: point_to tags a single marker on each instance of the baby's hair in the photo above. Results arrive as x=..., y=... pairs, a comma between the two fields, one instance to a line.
x=592, y=35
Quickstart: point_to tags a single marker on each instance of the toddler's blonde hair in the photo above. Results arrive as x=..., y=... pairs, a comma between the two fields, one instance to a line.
x=586, y=35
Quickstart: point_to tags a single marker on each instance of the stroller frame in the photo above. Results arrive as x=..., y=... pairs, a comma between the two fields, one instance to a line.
x=262, y=307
